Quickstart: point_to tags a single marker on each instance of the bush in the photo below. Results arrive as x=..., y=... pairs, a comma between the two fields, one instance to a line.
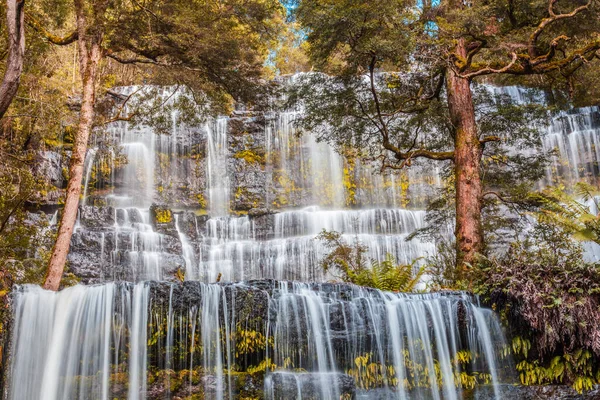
x=550, y=299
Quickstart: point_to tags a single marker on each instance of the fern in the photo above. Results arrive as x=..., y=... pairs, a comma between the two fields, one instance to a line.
x=570, y=212
x=349, y=262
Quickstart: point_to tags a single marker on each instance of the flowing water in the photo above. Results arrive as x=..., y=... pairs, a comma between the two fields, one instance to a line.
x=104, y=341
x=248, y=197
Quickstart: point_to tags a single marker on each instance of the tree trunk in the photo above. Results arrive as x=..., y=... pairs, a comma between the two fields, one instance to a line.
x=16, y=53
x=90, y=53
x=468, y=153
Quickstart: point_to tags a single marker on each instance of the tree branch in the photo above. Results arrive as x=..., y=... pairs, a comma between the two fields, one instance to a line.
x=532, y=44
x=490, y=139
x=54, y=39
x=548, y=56
x=10, y=214
x=134, y=114
x=407, y=157
x=384, y=130
x=472, y=52
x=489, y=70
x=134, y=60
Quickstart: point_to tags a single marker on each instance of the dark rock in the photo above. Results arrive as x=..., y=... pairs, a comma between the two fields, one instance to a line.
x=188, y=225
x=49, y=165
x=258, y=212
x=550, y=392
x=286, y=385
x=96, y=217
x=250, y=184
x=135, y=216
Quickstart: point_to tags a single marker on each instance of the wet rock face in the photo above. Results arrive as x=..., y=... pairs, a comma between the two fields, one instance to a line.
x=51, y=167
x=100, y=256
x=551, y=392
x=247, y=163
x=97, y=217
x=115, y=244
x=49, y=164
x=285, y=385
x=181, y=168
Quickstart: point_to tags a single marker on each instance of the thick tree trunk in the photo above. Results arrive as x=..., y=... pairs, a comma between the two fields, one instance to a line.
x=468, y=153
x=90, y=53
x=15, y=16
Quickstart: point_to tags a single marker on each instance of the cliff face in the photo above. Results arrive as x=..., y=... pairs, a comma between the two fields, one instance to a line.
x=244, y=197
x=236, y=198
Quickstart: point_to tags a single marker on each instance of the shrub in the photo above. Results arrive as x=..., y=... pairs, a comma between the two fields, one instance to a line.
x=550, y=299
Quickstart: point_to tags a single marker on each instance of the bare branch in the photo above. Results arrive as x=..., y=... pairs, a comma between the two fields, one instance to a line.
x=134, y=114
x=406, y=158
x=134, y=60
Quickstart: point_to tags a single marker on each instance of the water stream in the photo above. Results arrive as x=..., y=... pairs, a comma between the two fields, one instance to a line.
x=108, y=341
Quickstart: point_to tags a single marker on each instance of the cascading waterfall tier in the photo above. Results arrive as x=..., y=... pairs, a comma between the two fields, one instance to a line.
x=268, y=191
x=260, y=339
x=265, y=192
x=240, y=248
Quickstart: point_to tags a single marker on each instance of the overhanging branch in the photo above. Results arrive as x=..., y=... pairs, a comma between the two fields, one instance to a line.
x=553, y=17
x=489, y=70
x=52, y=38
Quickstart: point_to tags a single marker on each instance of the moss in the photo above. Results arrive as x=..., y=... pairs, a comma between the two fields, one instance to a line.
x=350, y=186
x=250, y=156
x=288, y=190
x=404, y=185
x=164, y=216
x=201, y=200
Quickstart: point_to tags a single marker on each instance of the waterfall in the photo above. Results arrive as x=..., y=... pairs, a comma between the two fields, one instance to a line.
x=159, y=340
x=218, y=179
x=242, y=200
x=576, y=136
x=235, y=248
x=291, y=188
x=307, y=187
x=89, y=163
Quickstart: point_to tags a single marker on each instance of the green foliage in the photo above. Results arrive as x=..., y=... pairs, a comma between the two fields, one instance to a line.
x=221, y=47
x=369, y=374
x=571, y=213
x=290, y=55
x=554, y=289
x=346, y=35
x=350, y=261
x=550, y=298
